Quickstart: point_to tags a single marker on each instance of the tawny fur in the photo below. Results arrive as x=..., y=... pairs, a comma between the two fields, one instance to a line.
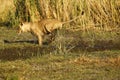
x=40, y=28
x=43, y=27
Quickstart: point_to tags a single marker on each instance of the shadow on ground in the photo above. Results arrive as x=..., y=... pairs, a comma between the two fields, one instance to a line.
x=21, y=41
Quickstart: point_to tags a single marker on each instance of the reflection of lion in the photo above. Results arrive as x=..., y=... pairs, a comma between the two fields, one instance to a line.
x=40, y=28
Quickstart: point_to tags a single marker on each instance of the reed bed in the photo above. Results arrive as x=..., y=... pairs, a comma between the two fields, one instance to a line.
x=97, y=13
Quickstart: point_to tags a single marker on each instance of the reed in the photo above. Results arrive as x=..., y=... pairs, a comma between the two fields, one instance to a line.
x=97, y=13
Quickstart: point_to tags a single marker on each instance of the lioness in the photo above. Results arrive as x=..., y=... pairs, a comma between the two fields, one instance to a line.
x=41, y=28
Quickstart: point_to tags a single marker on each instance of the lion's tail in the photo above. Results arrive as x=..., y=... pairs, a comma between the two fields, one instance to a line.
x=73, y=19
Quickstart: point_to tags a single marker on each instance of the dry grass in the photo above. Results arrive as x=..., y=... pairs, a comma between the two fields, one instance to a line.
x=71, y=66
x=97, y=61
x=100, y=13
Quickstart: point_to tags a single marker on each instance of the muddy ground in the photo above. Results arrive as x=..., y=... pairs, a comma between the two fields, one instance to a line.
x=26, y=48
x=14, y=53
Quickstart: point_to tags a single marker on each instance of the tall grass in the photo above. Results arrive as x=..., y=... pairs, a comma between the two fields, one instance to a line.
x=99, y=13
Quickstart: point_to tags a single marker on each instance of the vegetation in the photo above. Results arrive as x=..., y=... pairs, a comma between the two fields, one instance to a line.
x=101, y=65
x=85, y=49
x=99, y=13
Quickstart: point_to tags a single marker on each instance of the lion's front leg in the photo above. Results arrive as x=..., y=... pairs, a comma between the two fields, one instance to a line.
x=40, y=40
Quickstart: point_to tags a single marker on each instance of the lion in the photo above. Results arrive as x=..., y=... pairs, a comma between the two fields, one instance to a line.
x=42, y=28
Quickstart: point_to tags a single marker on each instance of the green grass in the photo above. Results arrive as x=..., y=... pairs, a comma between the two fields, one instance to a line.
x=71, y=66
x=27, y=61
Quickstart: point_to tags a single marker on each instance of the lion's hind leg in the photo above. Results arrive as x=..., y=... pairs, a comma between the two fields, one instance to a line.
x=53, y=35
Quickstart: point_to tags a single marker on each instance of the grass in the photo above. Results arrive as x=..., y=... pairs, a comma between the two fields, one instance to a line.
x=27, y=61
x=100, y=13
x=75, y=66
x=86, y=49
